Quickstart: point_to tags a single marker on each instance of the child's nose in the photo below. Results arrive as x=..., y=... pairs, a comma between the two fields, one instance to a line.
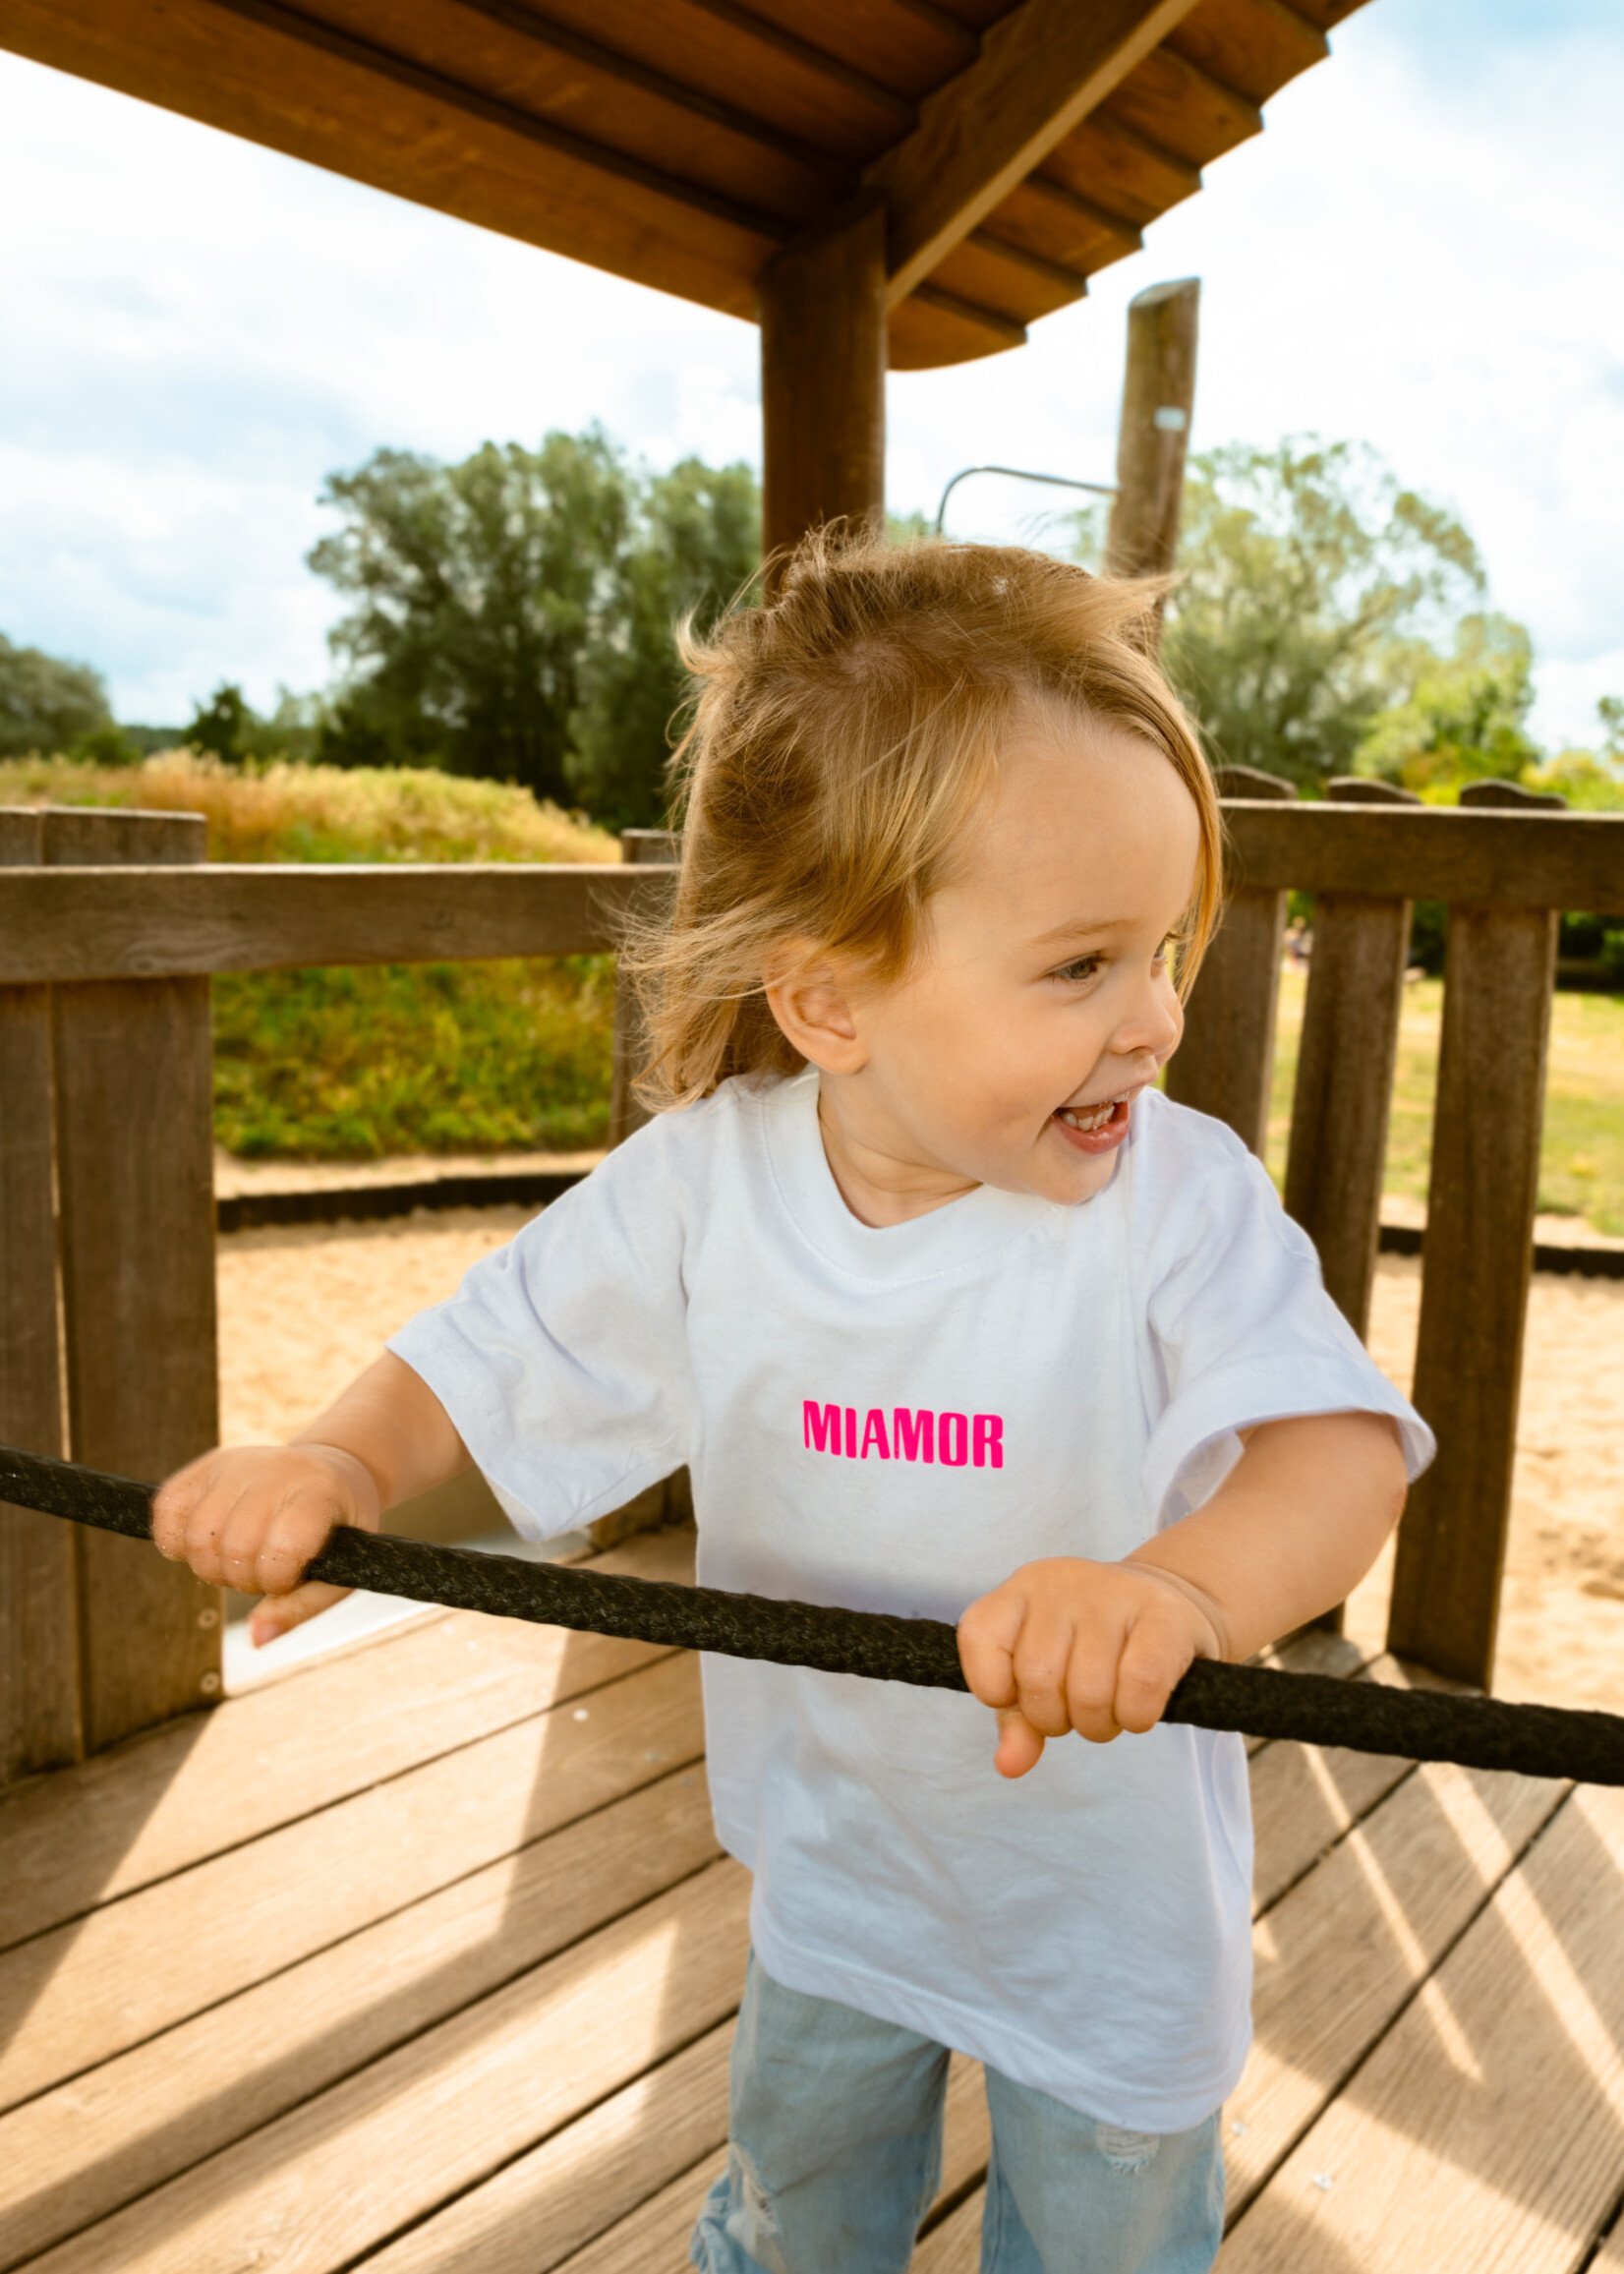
x=1154, y=1024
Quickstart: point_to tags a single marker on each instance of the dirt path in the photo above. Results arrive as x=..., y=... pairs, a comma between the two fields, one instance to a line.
x=303, y=1309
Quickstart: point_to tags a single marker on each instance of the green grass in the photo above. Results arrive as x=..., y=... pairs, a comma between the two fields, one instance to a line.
x=1582, y=1153
x=348, y=1064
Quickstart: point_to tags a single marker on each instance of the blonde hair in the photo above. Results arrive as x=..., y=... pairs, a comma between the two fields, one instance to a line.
x=841, y=738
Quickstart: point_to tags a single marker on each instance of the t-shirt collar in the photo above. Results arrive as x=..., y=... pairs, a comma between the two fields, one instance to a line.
x=938, y=1241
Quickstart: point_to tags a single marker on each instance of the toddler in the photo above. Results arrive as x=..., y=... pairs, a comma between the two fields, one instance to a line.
x=951, y=1313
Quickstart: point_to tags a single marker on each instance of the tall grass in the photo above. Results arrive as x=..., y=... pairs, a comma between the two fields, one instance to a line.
x=343, y=1064
x=331, y=813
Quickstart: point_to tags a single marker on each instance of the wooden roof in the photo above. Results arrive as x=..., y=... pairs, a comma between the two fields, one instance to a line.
x=1018, y=144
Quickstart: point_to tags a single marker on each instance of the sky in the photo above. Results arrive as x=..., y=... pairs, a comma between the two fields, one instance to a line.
x=1422, y=251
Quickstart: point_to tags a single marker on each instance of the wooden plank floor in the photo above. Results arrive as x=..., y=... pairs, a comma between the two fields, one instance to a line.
x=423, y=1958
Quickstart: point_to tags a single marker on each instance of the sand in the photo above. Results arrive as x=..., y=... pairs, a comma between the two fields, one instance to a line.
x=302, y=1311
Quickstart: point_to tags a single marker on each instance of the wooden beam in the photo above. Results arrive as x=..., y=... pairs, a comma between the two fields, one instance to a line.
x=1153, y=434
x=1499, y=967
x=136, y=923
x=135, y=1173
x=1041, y=70
x=1520, y=860
x=823, y=378
x=260, y=69
x=40, y=1723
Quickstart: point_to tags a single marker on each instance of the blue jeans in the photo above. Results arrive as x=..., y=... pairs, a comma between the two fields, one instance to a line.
x=835, y=2156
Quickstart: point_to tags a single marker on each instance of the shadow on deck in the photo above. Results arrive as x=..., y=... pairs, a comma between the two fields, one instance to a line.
x=424, y=1958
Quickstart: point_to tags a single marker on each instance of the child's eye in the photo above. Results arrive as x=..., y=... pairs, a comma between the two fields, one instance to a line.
x=1083, y=967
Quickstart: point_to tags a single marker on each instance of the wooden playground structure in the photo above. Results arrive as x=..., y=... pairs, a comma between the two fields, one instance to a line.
x=424, y=1957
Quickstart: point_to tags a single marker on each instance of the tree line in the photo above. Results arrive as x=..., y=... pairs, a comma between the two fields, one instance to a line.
x=511, y=617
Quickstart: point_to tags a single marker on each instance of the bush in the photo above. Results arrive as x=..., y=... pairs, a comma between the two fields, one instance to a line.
x=353, y=1063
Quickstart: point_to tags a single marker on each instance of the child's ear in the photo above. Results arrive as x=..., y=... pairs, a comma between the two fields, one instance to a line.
x=810, y=997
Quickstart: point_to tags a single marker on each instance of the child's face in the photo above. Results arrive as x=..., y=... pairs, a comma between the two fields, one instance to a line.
x=1043, y=991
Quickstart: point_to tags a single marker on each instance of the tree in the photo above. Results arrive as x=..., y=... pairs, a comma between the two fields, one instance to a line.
x=479, y=589
x=228, y=726
x=222, y=724
x=1309, y=583
x=45, y=704
x=696, y=540
x=1465, y=717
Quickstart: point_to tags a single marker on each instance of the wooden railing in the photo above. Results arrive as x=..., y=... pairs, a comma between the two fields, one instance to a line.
x=110, y=923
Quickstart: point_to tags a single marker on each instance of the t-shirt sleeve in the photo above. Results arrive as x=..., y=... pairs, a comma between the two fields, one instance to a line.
x=563, y=1358
x=1243, y=1331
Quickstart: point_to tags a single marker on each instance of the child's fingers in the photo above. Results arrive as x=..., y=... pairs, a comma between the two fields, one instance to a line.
x=172, y=1506
x=987, y=1635
x=280, y=1549
x=280, y=1614
x=1154, y=1659
x=1092, y=1676
x=1043, y=1654
x=1020, y=1745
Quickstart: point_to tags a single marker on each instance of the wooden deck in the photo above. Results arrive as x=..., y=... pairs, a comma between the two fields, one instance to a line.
x=424, y=1958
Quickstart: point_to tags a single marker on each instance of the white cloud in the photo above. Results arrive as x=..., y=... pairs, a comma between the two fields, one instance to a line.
x=198, y=331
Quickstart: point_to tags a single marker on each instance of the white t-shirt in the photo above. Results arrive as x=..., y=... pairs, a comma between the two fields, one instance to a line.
x=897, y=1419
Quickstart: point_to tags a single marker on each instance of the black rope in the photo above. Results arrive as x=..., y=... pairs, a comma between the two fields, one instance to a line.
x=1259, y=1701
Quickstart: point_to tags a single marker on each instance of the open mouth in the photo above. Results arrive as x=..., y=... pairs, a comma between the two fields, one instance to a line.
x=1088, y=1119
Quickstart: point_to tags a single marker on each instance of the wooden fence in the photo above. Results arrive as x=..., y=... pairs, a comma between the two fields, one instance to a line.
x=111, y=922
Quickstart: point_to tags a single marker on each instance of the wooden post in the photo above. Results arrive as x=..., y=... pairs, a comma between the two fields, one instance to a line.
x=134, y=1168
x=823, y=379
x=1225, y=1064
x=40, y=1725
x=1345, y=1063
x=1340, y=1108
x=1158, y=398
x=1477, y=1251
x=642, y=848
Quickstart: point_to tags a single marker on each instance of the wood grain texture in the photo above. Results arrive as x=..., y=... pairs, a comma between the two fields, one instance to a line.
x=201, y=1785
x=92, y=1989
x=39, y=1684
x=340, y=2175
x=1487, y=2126
x=423, y=1951
x=823, y=379
x=1343, y=1096
x=134, y=1074
x=230, y=917
x=278, y=76
x=614, y=100
x=1226, y=1061
x=1499, y=966
x=1340, y=1958
x=1254, y=46
x=622, y=2185
x=270, y=917
x=1153, y=432
x=1506, y=859
x=1041, y=69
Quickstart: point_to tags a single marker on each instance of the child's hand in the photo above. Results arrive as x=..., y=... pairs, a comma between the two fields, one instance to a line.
x=1069, y=1644
x=253, y=1516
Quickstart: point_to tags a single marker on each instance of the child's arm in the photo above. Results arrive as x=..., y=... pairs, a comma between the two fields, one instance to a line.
x=1069, y=1644
x=251, y=1516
